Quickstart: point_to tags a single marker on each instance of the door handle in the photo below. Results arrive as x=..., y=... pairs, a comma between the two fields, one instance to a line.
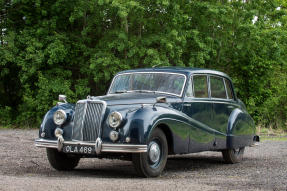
x=230, y=107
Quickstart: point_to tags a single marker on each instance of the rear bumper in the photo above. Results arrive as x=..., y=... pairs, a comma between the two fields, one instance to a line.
x=238, y=141
x=256, y=138
x=100, y=147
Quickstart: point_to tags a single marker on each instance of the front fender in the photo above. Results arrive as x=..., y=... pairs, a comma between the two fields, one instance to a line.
x=174, y=124
x=48, y=126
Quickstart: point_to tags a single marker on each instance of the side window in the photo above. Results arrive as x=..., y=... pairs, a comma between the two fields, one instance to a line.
x=228, y=89
x=200, y=86
x=189, y=89
x=217, y=87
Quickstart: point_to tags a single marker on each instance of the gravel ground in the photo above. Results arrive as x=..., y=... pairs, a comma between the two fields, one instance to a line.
x=25, y=167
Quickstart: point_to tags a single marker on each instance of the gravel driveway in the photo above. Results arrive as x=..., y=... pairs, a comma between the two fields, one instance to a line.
x=25, y=167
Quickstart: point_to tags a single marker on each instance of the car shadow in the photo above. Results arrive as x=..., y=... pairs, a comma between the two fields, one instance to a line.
x=106, y=173
x=177, y=163
x=193, y=162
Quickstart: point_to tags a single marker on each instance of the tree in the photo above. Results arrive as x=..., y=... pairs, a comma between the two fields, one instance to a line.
x=75, y=47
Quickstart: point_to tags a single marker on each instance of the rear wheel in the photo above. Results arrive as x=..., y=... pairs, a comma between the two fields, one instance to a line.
x=232, y=156
x=61, y=161
x=152, y=163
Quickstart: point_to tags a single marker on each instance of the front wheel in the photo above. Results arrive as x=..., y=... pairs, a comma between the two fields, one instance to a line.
x=152, y=163
x=232, y=156
x=61, y=161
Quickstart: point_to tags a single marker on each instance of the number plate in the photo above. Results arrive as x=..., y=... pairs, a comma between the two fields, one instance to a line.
x=79, y=149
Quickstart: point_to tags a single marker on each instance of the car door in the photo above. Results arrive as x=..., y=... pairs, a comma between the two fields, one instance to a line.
x=223, y=104
x=198, y=106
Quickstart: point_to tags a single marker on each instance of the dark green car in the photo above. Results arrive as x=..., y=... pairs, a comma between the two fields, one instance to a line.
x=147, y=115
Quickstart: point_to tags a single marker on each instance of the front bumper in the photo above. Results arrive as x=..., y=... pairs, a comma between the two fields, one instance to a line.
x=100, y=147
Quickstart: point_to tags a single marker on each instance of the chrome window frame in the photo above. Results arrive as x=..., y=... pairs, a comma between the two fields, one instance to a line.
x=189, y=81
x=207, y=81
x=222, y=78
x=231, y=89
x=209, y=98
x=227, y=97
x=178, y=95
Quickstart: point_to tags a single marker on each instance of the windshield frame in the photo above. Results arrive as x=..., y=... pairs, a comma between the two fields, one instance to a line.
x=178, y=95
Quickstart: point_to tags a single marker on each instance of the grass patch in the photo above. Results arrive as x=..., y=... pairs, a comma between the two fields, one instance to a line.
x=267, y=134
x=17, y=127
x=270, y=132
x=264, y=138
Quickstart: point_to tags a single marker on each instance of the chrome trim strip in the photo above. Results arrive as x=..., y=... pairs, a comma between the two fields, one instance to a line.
x=83, y=120
x=206, y=127
x=106, y=147
x=124, y=148
x=183, y=86
x=196, y=100
x=43, y=143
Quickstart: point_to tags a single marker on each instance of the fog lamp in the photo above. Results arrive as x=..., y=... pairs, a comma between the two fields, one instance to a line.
x=58, y=132
x=114, y=135
x=43, y=134
x=128, y=139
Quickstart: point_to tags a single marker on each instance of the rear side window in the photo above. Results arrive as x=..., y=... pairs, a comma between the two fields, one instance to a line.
x=200, y=86
x=228, y=89
x=217, y=87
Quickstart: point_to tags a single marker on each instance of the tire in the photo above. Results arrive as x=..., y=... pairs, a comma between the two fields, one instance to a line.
x=232, y=156
x=151, y=164
x=61, y=161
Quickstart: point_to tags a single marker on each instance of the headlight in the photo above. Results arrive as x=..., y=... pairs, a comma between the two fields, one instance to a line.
x=59, y=117
x=115, y=119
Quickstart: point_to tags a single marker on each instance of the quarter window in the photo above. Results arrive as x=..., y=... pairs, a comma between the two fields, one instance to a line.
x=217, y=87
x=200, y=86
x=228, y=88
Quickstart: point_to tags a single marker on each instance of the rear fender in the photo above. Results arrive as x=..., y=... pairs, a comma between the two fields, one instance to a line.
x=241, y=129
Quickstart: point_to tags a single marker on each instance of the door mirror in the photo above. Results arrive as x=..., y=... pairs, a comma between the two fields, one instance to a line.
x=161, y=100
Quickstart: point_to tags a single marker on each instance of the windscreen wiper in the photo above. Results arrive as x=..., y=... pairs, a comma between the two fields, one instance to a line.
x=120, y=91
x=142, y=91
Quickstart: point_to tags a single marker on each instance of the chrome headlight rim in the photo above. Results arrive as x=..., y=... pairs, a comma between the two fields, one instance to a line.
x=64, y=117
x=112, y=123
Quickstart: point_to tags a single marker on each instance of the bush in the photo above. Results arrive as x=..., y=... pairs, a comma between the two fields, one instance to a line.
x=75, y=47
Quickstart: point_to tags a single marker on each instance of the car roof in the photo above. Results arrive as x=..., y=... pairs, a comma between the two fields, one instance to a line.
x=182, y=70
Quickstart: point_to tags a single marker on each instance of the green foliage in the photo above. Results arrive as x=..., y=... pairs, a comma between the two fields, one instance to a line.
x=75, y=47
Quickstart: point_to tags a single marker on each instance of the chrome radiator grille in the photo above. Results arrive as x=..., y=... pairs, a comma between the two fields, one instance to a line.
x=87, y=120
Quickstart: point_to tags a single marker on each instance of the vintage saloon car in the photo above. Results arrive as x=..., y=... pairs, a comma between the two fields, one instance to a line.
x=147, y=115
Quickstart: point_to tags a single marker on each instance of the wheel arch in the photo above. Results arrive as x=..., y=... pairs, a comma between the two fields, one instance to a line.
x=168, y=134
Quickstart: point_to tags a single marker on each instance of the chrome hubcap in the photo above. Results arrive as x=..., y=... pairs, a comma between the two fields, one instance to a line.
x=236, y=151
x=154, y=152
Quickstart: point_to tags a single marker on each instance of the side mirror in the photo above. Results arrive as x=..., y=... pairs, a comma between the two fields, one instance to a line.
x=161, y=100
x=63, y=98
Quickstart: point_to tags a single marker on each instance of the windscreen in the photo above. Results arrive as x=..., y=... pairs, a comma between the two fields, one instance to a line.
x=170, y=83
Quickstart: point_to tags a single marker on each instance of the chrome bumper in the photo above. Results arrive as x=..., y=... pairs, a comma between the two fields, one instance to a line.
x=100, y=147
